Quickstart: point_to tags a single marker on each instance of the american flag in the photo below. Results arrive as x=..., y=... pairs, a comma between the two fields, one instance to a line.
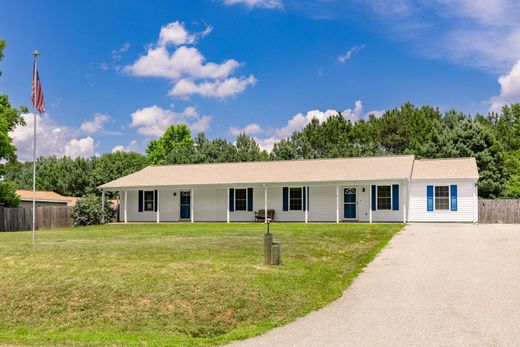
x=37, y=92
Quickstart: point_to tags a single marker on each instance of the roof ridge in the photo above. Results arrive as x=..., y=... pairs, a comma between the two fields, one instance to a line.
x=38, y=191
x=433, y=159
x=288, y=160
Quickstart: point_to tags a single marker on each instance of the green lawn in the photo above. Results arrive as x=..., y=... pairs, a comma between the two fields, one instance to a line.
x=172, y=284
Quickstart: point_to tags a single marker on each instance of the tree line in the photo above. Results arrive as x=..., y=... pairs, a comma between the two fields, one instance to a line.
x=494, y=140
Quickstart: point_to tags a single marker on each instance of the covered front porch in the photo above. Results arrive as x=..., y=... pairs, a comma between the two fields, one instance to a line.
x=381, y=201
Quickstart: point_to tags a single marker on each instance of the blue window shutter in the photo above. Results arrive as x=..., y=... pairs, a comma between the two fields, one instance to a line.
x=250, y=199
x=156, y=201
x=285, y=199
x=453, y=191
x=304, y=198
x=374, y=202
x=395, y=197
x=141, y=201
x=429, y=198
x=231, y=199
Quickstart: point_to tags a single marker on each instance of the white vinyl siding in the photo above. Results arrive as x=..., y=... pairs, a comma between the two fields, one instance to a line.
x=210, y=204
x=385, y=215
x=466, y=206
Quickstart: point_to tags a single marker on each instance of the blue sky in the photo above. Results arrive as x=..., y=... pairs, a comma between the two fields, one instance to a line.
x=116, y=74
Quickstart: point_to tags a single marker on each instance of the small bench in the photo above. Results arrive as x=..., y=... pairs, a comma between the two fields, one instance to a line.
x=260, y=215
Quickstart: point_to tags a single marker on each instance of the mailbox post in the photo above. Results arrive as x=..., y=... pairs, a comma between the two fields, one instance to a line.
x=268, y=242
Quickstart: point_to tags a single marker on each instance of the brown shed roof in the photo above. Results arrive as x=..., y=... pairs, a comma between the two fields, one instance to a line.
x=27, y=195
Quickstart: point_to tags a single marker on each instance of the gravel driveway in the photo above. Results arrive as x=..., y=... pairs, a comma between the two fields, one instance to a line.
x=433, y=285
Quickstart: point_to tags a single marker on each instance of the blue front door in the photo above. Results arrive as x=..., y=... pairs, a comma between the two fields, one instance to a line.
x=185, y=205
x=349, y=200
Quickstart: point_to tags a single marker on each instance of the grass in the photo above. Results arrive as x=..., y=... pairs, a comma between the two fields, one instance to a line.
x=173, y=284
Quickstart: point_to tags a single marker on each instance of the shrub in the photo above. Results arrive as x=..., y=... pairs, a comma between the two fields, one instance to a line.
x=88, y=211
x=8, y=197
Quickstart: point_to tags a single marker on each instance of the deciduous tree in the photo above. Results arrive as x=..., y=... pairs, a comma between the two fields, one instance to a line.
x=10, y=118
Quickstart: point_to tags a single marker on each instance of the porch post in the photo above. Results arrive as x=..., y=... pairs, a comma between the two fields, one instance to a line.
x=405, y=198
x=370, y=203
x=102, y=207
x=158, y=206
x=265, y=203
x=118, y=206
x=306, y=204
x=126, y=208
x=227, y=207
x=475, y=202
x=192, y=202
x=337, y=204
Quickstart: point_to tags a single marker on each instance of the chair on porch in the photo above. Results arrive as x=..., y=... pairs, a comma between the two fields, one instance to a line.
x=260, y=215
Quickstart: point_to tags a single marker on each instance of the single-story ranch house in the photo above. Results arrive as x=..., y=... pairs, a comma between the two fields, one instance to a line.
x=369, y=189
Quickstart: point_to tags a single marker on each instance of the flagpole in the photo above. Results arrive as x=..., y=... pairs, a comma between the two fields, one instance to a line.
x=35, y=55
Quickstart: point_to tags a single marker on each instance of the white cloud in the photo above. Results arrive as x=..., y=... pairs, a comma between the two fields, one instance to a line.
x=266, y=143
x=103, y=66
x=354, y=114
x=186, y=67
x=133, y=146
x=154, y=120
x=52, y=139
x=80, y=148
x=375, y=113
x=345, y=57
x=399, y=8
x=200, y=125
x=175, y=33
x=96, y=124
x=117, y=54
x=270, y=4
x=509, y=89
x=219, y=89
x=484, y=34
x=183, y=62
x=251, y=129
x=119, y=148
x=298, y=122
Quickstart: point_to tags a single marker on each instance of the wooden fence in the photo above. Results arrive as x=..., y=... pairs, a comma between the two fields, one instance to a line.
x=48, y=217
x=499, y=211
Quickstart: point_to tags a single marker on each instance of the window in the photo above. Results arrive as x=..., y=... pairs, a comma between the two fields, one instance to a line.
x=240, y=199
x=148, y=200
x=442, y=197
x=384, y=197
x=295, y=199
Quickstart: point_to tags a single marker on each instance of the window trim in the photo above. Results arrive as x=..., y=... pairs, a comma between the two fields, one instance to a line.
x=301, y=199
x=144, y=200
x=449, y=198
x=235, y=200
x=391, y=197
